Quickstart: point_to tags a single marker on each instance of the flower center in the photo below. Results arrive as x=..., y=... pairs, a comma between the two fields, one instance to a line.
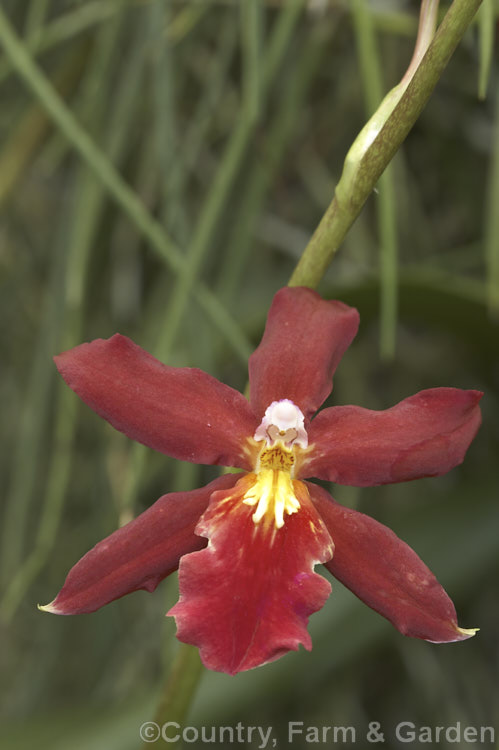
x=273, y=493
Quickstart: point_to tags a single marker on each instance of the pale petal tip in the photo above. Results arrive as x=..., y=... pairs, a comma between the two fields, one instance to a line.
x=48, y=608
x=467, y=632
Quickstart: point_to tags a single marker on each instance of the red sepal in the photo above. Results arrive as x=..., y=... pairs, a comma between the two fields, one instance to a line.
x=422, y=436
x=138, y=555
x=180, y=411
x=304, y=340
x=245, y=599
x=386, y=574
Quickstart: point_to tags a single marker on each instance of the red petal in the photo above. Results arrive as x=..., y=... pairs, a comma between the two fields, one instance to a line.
x=305, y=338
x=423, y=436
x=182, y=412
x=245, y=599
x=387, y=574
x=140, y=554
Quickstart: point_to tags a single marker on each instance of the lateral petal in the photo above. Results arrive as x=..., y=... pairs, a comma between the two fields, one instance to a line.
x=386, y=574
x=180, y=411
x=245, y=599
x=422, y=436
x=304, y=340
x=138, y=555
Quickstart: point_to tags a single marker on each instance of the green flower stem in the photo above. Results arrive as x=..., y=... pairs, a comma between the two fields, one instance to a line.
x=426, y=31
x=179, y=689
x=378, y=142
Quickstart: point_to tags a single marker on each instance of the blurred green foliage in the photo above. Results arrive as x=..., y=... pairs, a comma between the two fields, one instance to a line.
x=217, y=132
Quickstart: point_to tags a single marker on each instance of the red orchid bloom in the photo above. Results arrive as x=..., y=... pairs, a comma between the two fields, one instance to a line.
x=246, y=544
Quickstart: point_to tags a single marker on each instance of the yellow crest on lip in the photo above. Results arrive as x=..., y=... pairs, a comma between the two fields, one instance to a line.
x=277, y=457
x=273, y=491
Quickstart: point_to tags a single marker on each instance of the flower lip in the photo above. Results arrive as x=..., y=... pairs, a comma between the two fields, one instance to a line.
x=283, y=421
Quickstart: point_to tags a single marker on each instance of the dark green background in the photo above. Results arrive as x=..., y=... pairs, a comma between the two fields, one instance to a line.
x=165, y=89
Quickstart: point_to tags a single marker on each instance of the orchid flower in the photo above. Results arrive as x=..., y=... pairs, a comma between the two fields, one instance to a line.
x=246, y=544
